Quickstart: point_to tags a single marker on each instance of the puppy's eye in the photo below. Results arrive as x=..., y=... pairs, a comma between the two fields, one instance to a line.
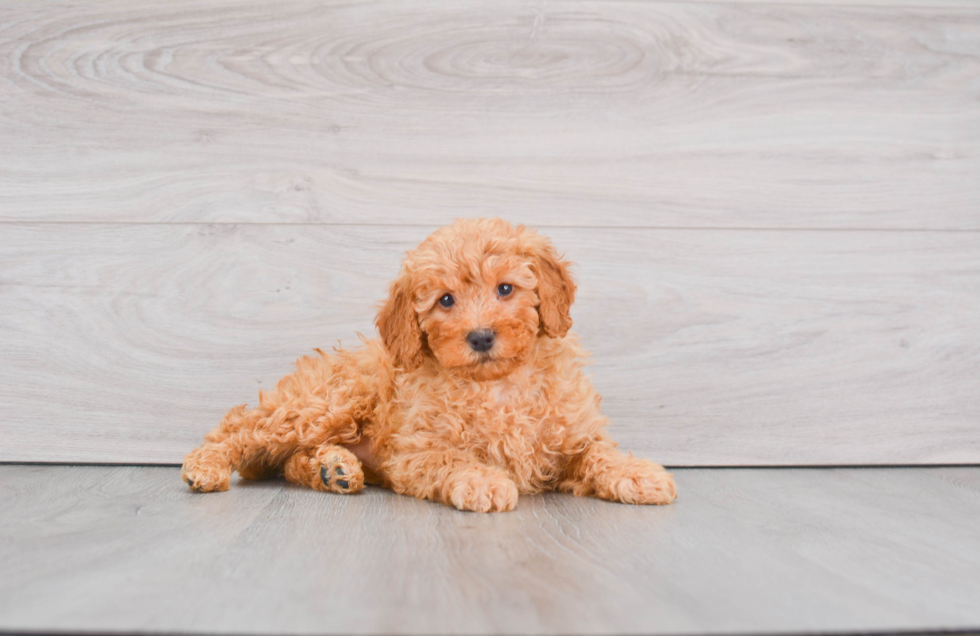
x=447, y=301
x=504, y=289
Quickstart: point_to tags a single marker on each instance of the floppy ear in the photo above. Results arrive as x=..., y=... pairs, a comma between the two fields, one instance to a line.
x=399, y=326
x=556, y=289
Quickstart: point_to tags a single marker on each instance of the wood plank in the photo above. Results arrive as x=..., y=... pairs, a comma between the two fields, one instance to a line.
x=850, y=4
x=112, y=549
x=571, y=113
x=126, y=343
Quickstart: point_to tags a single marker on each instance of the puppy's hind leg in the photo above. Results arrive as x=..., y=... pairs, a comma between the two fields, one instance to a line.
x=328, y=468
x=240, y=443
x=321, y=404
x=207, y=468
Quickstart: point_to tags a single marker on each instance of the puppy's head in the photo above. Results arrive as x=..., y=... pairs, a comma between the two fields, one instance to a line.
x=475, y=296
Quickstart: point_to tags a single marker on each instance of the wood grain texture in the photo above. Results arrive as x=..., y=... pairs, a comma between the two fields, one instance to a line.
x=103, y=549
x=914, y=4
x=651, y=114
x=126, y=343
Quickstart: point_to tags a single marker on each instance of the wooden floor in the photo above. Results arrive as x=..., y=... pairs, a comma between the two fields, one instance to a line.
x=743, y=550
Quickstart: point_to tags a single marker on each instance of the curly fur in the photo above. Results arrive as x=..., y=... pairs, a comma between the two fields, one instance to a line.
x=421, y=412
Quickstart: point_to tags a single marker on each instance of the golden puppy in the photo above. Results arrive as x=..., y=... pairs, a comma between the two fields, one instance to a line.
x=474, y=394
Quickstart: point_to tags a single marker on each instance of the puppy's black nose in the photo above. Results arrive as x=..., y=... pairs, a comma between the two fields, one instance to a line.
x=481, y=340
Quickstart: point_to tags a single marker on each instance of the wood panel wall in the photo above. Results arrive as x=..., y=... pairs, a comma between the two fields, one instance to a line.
x=774, y=209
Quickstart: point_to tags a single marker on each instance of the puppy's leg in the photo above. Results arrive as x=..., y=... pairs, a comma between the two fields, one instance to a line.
x=207, y=468
x=453, y=478
x=602, y=471
x=321, y=403
x=328, y=468
x=241, y=442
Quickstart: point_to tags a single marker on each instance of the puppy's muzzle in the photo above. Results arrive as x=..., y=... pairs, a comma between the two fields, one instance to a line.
x=481, y=340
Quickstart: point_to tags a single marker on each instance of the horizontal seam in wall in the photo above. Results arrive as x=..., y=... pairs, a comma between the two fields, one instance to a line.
x=684, y=228
x=927, y=631
x=807, y=5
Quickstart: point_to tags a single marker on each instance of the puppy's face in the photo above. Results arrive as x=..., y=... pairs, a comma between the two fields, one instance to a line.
x=480, y=321
x=475, y=296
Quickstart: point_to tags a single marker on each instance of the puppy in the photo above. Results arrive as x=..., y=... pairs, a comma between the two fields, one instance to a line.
x=474, y=394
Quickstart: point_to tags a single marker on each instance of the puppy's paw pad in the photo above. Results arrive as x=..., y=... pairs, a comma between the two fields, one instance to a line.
x=341, y=472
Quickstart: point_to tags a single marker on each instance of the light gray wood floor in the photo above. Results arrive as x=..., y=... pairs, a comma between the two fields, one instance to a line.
x=743, y=550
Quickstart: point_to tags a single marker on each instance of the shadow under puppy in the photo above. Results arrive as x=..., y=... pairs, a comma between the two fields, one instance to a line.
x=474, y=394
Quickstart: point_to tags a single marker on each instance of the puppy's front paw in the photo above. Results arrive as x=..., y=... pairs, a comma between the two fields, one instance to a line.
x=484, y=492
x=642, y=483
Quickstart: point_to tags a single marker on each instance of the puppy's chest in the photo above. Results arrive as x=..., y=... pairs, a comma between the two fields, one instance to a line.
x=517, y=425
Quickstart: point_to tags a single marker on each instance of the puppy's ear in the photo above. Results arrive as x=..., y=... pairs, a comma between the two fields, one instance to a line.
x=399, y=326
x=556, y=289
